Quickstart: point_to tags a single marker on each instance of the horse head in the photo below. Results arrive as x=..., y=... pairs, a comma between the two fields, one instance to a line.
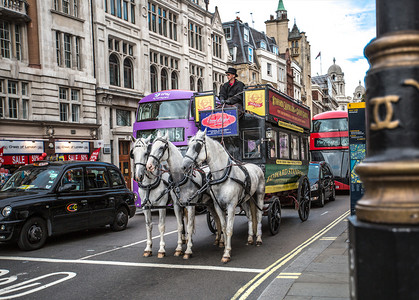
x=139, y=153
x=158, y=152
x=197, y=152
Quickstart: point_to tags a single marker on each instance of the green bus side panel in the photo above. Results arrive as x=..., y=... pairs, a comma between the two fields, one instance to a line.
x=283, y=177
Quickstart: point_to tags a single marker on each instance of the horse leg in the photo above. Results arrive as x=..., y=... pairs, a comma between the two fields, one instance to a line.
x=162, y=228
x=260, y=199
x=190, y=231
x=179, y=219
x=245, y=206
x=222, y=219
x=229, y=233
x=218, y=232
x=149, y=228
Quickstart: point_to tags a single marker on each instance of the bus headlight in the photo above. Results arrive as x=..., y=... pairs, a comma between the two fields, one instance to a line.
x=6, y=211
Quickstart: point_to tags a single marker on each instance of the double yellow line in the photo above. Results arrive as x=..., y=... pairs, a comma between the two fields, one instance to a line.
x=247, y=289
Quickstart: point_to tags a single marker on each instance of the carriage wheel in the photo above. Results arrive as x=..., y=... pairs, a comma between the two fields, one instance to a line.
x=304, y=198
x=274, y=215
x=211, y=223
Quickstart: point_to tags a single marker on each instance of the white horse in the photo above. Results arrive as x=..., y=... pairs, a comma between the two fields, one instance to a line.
x=186, y=186
x=231, y=185
x=154, y=193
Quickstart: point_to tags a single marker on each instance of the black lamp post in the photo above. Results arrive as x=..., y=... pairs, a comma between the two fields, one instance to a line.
x=384, y=234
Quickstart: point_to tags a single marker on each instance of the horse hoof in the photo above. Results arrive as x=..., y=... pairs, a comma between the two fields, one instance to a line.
x=187, y=255
x=216, y=243
x=161, y=255
x=178, y=253
x=225, y=259
x=147, y=254
x=249, y=243
x=258, y=244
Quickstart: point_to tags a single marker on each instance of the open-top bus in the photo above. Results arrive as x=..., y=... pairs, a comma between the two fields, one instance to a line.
x=329, y=141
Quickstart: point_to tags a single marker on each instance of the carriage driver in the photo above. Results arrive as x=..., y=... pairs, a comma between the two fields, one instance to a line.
x=231, y=92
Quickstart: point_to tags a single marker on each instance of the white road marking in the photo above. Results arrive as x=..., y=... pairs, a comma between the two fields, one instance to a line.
x=8, y=292
x=131, y=264
x=326, y=212
x=126, y=246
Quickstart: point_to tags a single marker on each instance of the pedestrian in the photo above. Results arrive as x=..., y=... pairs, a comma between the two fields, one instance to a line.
x=231, y=92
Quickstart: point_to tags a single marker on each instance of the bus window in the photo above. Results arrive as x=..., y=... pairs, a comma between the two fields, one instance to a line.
x=251, y=147
x=273, y=146
x=284, y=151
x=295, y=147
x=304, y=148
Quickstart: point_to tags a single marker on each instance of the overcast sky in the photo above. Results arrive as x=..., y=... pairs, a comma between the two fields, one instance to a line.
x=336, y=28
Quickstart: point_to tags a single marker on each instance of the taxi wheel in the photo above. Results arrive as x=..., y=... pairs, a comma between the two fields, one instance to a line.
x=33, y=234
x=121, y=219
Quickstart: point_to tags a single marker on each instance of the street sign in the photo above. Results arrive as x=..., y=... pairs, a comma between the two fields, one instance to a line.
x=357, y=148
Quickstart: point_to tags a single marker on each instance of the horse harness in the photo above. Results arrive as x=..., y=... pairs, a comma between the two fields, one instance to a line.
x=246, y=184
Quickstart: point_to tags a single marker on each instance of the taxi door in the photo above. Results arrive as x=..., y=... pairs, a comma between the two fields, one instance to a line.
x=70, y=211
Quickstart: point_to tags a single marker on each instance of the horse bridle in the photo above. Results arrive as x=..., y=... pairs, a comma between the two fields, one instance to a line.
x=200, y=143
x=131, y=154
x=166, y=145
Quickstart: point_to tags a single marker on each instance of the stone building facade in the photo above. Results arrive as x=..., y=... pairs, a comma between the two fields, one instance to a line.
x=74, y=71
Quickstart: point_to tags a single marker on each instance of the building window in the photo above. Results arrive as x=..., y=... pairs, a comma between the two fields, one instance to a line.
x=216, y=45
x=128, y=74
x=153, y=79
x=263, y=45
x=68, y=7
x=113, y=70
x=174, y=81
x=123, y=117
x=195, y=36
x=68, y=47
x=164, y=79
x=69, y=104
x=275, y=50
x=13, y=108
x=123, y=9
x=64, y=112
x=162, y=21
x=233, y=53
x=200, y=85
x=192, y=83
x=5, y=39
x=246, y=34
x=269, y=69
x=18, y=43
x=1, y=107
x=228, y=33
x=250, y=54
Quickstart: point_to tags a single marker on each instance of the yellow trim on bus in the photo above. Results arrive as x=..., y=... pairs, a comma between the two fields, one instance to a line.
x=281, y=187
x=288, y=162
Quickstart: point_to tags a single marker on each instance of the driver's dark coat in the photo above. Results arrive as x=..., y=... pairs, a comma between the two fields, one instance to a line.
x=232, y=93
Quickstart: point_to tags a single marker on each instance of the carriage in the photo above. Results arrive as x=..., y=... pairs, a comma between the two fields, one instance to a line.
x=272, y=133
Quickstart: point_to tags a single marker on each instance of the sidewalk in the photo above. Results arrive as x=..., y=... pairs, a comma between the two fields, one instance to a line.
x=320, y=272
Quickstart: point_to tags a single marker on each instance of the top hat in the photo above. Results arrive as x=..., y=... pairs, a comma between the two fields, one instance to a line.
x=232, y=71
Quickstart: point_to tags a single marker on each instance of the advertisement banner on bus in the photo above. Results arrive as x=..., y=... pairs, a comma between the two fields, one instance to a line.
x=204, y=102
x=255, y=101
x=287, y=110
x=220, y=122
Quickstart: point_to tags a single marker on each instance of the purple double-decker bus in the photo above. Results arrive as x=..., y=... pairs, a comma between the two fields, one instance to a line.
x=166, y=111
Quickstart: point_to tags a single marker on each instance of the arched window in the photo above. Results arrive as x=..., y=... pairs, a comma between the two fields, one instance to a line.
x=128, y=74
x=192, y=83
x=113, y=70
x=200, y=85
x=153, y=79
x=174, y=81
x=164, y=80
x=214, y=87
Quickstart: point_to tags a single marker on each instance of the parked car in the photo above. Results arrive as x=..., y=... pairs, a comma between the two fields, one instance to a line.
x=322, y=182
x=49, y=198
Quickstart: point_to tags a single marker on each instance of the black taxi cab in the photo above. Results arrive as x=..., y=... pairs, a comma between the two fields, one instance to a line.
x=49, y=198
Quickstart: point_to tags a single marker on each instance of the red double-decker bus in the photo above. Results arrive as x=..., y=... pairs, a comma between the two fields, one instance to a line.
x=329, y=141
